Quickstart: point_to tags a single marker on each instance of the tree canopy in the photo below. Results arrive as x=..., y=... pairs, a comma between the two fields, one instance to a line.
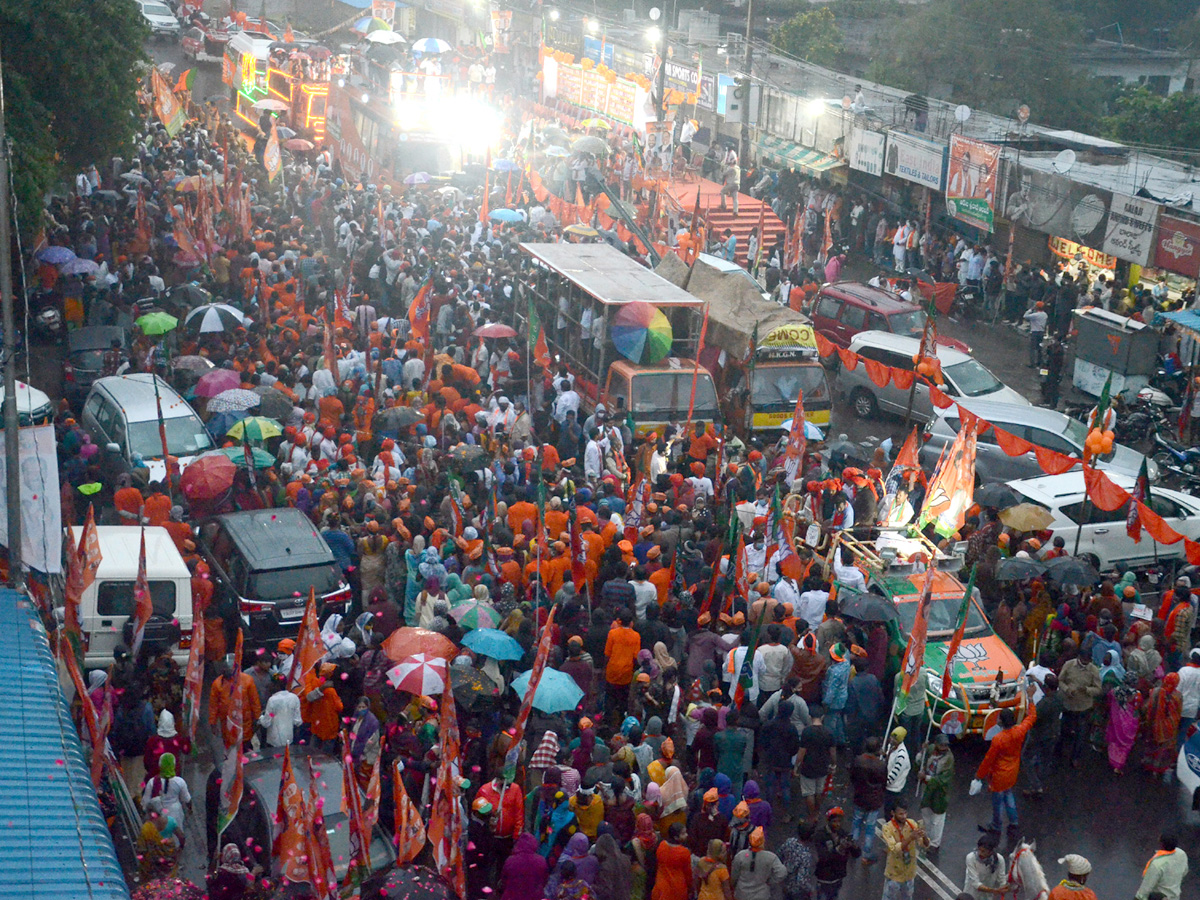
x=811, y=35
x=994, y=56
x=1140, y=117
x=71, y=73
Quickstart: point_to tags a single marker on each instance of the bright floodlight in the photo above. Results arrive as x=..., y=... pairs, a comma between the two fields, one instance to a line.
x=655, y=12
x=653, y=34
x=593, y=26
x=554, y=15
x=816, y=107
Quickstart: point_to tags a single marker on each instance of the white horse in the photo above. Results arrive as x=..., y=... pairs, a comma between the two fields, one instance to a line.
x=1026, y=879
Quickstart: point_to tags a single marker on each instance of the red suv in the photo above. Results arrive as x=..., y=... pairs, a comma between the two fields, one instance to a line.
x=842, y=310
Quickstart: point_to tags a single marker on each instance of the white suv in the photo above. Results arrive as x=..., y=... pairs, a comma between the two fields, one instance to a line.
x=161, y=20
x=1104, y=542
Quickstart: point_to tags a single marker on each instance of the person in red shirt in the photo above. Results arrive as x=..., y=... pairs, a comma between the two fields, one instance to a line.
x=621, y=650
x=1002, y=764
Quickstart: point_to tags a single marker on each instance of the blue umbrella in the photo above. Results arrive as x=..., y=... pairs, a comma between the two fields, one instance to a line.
x=218, y=426
x=505, y=215
x=504, y=165
x=494, y=643
x=556, y=692
x=56, y=256
x=79, y=267
x=811, y=431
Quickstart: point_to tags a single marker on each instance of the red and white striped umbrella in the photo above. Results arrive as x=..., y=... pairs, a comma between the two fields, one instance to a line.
x=422, y=674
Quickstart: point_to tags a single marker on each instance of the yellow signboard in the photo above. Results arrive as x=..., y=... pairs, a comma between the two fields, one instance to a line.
x=796, y=336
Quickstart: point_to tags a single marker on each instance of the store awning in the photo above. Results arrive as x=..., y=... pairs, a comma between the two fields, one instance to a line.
x=786, y=153
x=1188, y=319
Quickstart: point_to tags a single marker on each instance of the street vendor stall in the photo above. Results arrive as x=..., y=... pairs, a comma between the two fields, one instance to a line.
x=1116, y=346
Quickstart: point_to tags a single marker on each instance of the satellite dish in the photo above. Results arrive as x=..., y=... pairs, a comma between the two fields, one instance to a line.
x=655, y=12
x=1063, y=162
x=1022, y=113
x=962, y=112
x=846, y=101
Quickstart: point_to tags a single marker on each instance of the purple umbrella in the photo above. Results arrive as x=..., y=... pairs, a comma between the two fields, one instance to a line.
x=56, y=256
x=217, y=381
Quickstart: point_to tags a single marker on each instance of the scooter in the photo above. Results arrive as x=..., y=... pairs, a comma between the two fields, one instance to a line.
x=1176, y=463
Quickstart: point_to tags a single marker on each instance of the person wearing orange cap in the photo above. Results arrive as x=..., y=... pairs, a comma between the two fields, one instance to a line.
x=756, y=873
x=660, y=577
x=510, y=569
x=700, y=483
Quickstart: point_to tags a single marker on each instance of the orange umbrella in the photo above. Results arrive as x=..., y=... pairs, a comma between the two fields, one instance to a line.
x=405, y=642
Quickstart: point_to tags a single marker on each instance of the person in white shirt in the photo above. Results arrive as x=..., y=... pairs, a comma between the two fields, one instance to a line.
x=898, y=764
x=567, y=401
x=593, y=456
x=773, y=661
x=986, y=876
x=281, y=717
x=644, y=592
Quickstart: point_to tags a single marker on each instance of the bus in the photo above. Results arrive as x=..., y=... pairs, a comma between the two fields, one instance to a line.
x=259, y=68
x=582, y=287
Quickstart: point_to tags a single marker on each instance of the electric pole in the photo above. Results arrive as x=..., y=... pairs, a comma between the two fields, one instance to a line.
x=747, y=67
x=12, y=437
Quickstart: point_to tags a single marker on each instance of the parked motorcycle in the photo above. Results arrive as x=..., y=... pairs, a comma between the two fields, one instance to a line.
x=1178, y=465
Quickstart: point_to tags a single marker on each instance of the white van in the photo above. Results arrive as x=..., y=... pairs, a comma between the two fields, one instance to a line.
x=107, y=606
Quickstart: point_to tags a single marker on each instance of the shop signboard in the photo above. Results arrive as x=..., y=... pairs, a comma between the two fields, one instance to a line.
x=683, y=78
x=1130, y=232
x=599, y=50
x=971, y=188
x=915, y=159
x=1177, y=246
x=622, y=97
x=865, y=151
x=1051, y=204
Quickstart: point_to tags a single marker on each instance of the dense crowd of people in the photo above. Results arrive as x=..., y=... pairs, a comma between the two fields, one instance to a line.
x=730, y=741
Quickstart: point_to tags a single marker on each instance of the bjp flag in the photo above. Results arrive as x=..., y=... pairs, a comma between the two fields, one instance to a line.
x=410, y=829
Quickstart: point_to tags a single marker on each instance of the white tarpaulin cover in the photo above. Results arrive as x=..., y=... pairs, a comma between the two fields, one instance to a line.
x=41, y=515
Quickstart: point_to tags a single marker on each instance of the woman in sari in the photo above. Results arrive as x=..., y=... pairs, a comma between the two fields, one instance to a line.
x=1162, y=721
x=1124, y=703
x=614, y=881
x=674, y=801
x=674, y=879
x=644, y=848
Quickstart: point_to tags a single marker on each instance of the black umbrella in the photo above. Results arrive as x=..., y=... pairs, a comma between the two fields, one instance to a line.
x=107, y=195
x=467, y=458
x=189, y=294
x=410, y=883
x=1072, y=570
x=471, y=686
x=1018, y=569
x=997, y=495
x=275, y=405
x=399, y=417
x=866, y=606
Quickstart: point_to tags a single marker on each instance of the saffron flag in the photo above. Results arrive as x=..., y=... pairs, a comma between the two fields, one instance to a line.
x=535, y=677
x=1139, y=495
x=320, y=857
x=537, y=338
x=232, y=783
x=418, y=313
x=952, y=490
x=964, y=610
x=90, y=719
x=914, y=652
x=289, y=839
x=410, y=829
x=193, y=679
x=82, y=563
x=310, y=649
x=446, y=815
x=143, y=606
x=166, y=105
x=746, y=672
x=797, y=443
x=904, y=472
x=359, y=837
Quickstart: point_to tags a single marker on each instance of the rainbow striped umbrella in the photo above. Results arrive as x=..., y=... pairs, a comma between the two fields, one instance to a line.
x=641, y=333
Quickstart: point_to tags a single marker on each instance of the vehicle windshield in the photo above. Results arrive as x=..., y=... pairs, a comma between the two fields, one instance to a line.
x=972, y=379
x=943, y=617
x=185, y=437
x=279, y=583
x=663, y=392
x=911, y=323
x=778, y=386
x=157, y=9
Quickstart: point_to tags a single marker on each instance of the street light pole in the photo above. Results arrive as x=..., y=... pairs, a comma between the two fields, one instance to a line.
x=12, y=446
x=660, y=109
x=747, y=67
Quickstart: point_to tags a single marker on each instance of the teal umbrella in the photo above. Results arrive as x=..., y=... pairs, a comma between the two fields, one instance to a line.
x=262, y=459
x=556, y=692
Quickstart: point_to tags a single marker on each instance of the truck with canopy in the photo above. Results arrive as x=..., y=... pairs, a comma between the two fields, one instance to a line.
x=759, y=394
x=592, y=300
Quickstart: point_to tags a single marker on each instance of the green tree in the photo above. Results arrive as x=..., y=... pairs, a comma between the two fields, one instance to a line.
x=71, y=74
x=994, y=56
x=813, y=36
x=1140, y=117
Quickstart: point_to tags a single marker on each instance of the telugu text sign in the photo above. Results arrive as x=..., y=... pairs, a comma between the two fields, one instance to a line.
x=1130, y=232
x=865, y=151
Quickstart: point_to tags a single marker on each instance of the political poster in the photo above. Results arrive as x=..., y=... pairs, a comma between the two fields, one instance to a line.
x=1130, y=232
x=502, y=30
x=1047, y=202
x=915, y=159
x=865, y=151
x=971, y=183
x=384, y=9
x=166, y=105
x=41, y=514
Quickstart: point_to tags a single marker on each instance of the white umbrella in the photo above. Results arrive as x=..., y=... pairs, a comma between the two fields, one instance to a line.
x=215, y=317
x=417, y=178
x=385, y=37
x=431, y=45
x=419, y=674
x=273, y=105
x=233, y=400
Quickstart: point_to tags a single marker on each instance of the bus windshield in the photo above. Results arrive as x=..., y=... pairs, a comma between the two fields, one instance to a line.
x=777, y=385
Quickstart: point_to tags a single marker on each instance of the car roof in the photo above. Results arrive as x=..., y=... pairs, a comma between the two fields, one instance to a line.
x=882, y=300
x=135, y=395
x=94, y=337
x=276, y=538
x=995, y=411
x=121, y=546
x=29, y=398
x=901, y=343
x=1054, y=490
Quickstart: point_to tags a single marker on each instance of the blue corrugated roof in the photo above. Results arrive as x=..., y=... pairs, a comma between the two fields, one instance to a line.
x=54, y=843
x=1186, y=318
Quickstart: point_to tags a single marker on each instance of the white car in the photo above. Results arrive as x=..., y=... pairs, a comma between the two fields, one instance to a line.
x=161, y=20
x=1104, y=540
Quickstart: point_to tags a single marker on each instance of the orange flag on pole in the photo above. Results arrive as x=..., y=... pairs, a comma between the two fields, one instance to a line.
x=143, y=606
x=410, y=829
x=310, y=649
x=289, y=841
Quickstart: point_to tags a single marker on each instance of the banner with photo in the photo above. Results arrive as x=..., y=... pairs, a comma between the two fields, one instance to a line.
x=384, y=9
x=1130, y=232
x=1053, y=205
x=915, y=159
x=41, y=512
x=501, y=30
x=971, y=184
x=864, y=151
